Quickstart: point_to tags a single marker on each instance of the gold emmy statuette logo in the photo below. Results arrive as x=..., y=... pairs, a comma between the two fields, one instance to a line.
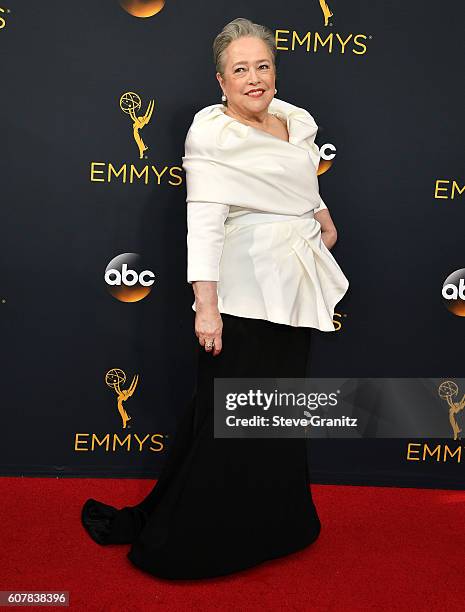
x=2, y=19
x=142, y=8
x=130, y=103
x=114, y=379
x=447, y=390
x=326, y=11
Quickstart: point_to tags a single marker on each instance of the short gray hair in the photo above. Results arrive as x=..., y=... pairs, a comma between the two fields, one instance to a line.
x=236, y=29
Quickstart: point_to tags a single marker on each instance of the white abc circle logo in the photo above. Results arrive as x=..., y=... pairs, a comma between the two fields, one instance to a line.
x=328, y=151
x=124, y=281
x=453, y=292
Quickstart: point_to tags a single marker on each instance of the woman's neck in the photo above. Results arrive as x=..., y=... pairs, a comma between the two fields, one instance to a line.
x=261, y=120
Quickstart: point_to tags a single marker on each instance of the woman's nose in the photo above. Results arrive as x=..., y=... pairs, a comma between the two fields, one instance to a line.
x=253, y=76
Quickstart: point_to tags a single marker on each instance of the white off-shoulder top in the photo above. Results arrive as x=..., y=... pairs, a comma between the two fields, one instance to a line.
x=251, y=199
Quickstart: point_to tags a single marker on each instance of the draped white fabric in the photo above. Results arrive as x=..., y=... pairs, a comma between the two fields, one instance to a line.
x=229, y=162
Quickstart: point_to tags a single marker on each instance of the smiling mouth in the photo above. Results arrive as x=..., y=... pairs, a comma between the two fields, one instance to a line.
x=256, y=93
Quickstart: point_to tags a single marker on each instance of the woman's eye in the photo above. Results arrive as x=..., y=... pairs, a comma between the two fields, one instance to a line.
x=242, y=68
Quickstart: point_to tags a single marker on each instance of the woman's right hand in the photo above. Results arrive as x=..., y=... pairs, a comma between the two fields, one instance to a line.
x=208, y=328
x=208, y=321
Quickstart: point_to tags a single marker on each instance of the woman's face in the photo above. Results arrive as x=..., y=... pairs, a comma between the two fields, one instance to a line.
x=248, y=65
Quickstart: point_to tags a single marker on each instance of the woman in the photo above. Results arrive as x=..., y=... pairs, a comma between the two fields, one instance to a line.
x=259, y=236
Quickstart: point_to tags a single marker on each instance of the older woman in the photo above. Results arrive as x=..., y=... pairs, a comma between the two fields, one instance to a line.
x=259, y=263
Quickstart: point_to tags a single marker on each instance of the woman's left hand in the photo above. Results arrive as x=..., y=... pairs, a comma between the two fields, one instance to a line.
x=329, y=238
x=328, y=229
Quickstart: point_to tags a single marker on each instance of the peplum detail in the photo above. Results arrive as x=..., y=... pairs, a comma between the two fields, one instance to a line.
x=280, y=271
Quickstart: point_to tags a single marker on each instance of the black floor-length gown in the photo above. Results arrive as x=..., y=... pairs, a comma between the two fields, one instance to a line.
x=222, y=505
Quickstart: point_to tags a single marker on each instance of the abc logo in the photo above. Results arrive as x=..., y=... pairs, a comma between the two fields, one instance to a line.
x=126, y=278
x=453, y=292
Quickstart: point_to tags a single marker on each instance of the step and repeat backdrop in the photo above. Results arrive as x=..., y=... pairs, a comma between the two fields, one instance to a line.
x=98, y=343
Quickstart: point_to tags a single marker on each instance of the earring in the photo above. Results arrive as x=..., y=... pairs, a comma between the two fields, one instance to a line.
x=275, y=91
x=223, y=98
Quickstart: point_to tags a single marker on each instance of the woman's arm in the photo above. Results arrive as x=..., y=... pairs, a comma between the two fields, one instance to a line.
x=328, y=229
x=205, y=240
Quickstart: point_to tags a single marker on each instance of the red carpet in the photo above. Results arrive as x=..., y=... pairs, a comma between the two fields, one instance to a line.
x=379, y=548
